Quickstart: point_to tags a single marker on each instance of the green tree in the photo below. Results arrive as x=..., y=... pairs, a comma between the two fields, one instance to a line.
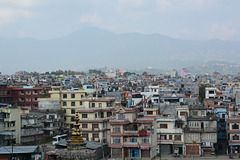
x=144, y=73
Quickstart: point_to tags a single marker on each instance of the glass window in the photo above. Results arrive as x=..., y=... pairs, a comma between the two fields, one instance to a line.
x=134, y=153
x=64, y=95
x=72, y=103
x=72, y=95
x=84, y=125
x=84, y=116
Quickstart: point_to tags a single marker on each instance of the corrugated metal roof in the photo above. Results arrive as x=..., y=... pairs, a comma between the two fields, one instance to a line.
x=9, y=133
x=17, y=149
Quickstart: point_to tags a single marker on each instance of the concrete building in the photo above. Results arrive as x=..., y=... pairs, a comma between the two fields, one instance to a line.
x=132, y=137
x=94, y=117
x=12, y=122
x=31, y=127
x=69, y=100
x=170, y=132
x=233, y=123
x=201, y=131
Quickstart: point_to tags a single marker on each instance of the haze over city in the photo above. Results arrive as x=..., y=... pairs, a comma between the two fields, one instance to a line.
x=121, y=33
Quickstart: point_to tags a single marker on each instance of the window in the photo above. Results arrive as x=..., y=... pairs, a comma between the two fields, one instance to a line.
x=109, y=114
x=121, y=116
x=163, y=125
x=95, y=135
x=35, y=91
x=192, y=136
x=134, y=153
x=81, y=96
x=85, y=135
x=95, y=115
x=116, y=140
x=100, y=104
x=80, y=102
x=28, y=99
x=84, y=116
x=133, y=140
x=72, y=118
x=28, y=92
x=84, y=125
x=163, y=137
x=21, y=92
x=150, y=112
x=183, y=113
x=177, y=137
x=93, y=104
x=72, y=103
x=21, y=99
x=235, y=126
x=64, y=95
x=1, y=92
x=95, y=126
x=145, y=140
x=195, y=113
x=170, y=137
x=72, y=111
x=235, y=137
x=72, y=95
x=116, y=129
x=211, y=92
x=208, y=136
x=35, y=99
x=64, y=103
x=65, y=111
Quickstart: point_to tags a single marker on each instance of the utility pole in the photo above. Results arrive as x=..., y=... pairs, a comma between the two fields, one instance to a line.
x=160, y=147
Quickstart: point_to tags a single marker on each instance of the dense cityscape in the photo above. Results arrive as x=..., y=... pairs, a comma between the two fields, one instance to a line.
x=110, y=113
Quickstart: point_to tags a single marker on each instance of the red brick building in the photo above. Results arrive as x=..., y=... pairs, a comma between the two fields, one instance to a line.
x=25, y=96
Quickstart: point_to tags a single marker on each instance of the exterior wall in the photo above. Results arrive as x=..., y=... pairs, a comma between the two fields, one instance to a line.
x=12, y=121
x=27, y=96
x=192, y=138
x=67, y=103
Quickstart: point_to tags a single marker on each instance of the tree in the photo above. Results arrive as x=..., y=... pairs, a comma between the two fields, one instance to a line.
x=202, y=92
x=144, y=73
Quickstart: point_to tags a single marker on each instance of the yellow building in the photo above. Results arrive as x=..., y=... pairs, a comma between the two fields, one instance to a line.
x=69, y=101
x=94, y=117
x=11, y=117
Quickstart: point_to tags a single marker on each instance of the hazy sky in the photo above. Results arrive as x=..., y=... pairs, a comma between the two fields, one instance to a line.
x=185, y=19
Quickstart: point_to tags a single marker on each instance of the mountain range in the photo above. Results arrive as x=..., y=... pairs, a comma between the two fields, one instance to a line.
x=94, y=47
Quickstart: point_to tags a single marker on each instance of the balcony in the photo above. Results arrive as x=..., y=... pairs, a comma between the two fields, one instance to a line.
x=143, y=133
x=130, y=132
x=131, y=144
x=165, y=141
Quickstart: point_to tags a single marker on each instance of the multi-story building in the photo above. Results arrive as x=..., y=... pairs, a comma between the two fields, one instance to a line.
x=64, y=99
x=94, y=117
x=31, y=127
x=132, y=137
x=170, y=135
x=25, y=96
x=12, y=122
x=5, y=94
x=233, y=123
x=201, y=131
